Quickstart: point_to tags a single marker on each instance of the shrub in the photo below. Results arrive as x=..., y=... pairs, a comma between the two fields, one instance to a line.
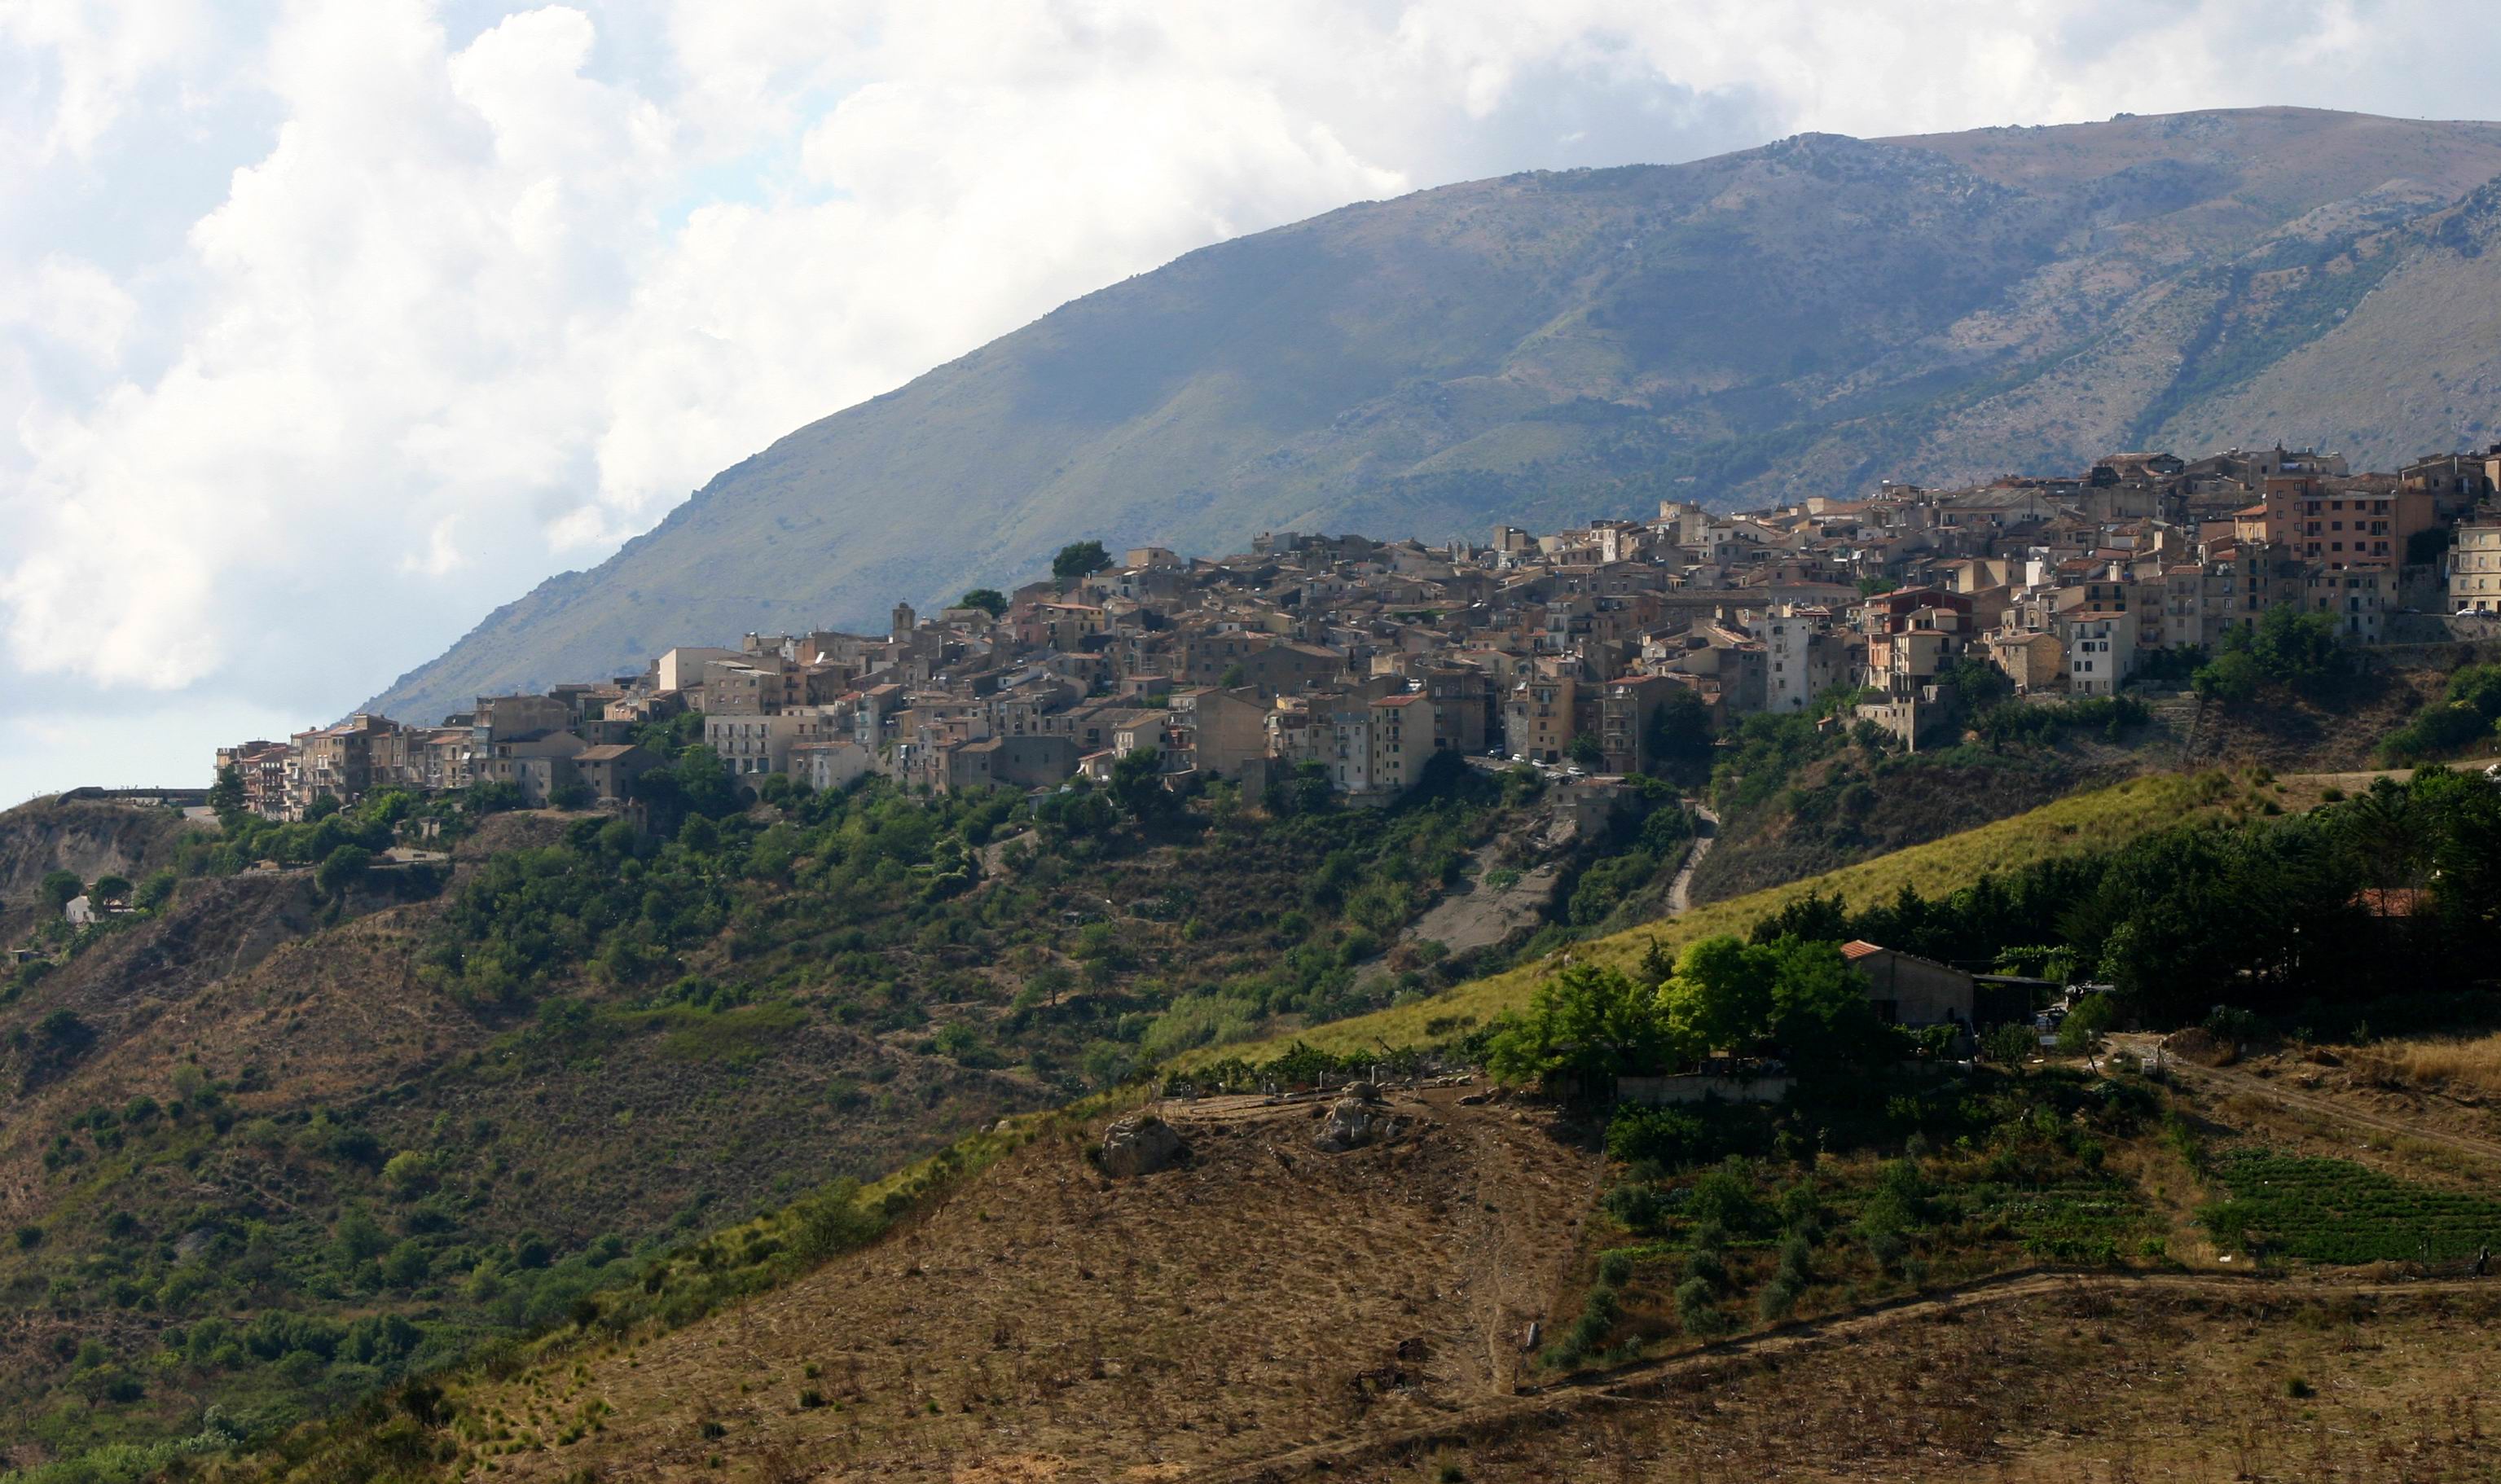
x=1637, y=1205
x=1697, y=1309
x=2011, y=1044
x=409, y=1173
x=1778, y=1300
x=2083, y=1026
x=1671, y=1136
x=1725, y=1196
x=1797, y=1261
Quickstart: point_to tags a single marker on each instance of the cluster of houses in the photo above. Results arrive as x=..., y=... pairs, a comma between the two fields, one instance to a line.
x=1367, y=658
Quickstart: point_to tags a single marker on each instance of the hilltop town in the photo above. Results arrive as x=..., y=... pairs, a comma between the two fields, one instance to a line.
x=1355, y=660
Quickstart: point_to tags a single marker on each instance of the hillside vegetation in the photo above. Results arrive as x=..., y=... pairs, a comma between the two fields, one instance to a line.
x=279, y=1135
x=1001, y=1294
x=1808, y=318
x=282, y=1138
x=2085, y=822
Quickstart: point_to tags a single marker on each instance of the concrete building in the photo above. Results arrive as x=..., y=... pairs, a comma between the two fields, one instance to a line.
x=680, y=671
x=2475, y=569
x=1220, y=733
x=1537, y=720
x=827, y=766
x=1400, y=741
x=2101, y=651
x=1010, y=761
x=1798, y=656
x=1909, y=990
x=608, y=771
x=749, y=746
x=2358, y=597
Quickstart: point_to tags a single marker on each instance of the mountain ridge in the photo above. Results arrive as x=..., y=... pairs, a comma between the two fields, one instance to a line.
x=1808, y=316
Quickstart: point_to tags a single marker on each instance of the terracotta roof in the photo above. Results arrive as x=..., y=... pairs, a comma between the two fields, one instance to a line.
x=1858, y=948
x=2392, y=900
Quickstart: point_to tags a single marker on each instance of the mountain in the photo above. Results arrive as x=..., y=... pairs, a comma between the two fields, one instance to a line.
x=1806, y=318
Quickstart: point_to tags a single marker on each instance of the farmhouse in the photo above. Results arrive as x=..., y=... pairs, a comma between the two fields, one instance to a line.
x=1909, y=990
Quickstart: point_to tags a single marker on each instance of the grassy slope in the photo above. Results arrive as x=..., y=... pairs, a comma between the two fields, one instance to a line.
x=2088, y=821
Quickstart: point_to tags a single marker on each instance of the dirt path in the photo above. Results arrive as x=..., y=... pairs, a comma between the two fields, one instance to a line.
x=2356, y=783
x=1635, y=1383
x=1517, y=1271
x=1706, y=834
x=2228, y=1080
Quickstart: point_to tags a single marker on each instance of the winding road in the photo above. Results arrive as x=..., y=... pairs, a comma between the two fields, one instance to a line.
x=1706, y=834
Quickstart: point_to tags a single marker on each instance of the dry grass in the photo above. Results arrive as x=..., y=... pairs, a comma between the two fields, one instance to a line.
x=1048, y=1322
x=2076, y=1388
x=2088, y=821
x=2471, y=1065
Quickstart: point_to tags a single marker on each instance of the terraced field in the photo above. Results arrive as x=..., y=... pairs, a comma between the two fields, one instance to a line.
x=2323, y=1211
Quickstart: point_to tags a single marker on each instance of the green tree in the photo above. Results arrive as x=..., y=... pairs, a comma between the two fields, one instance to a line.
x=989, y=600
x=1305, y=791
x=1079, y=559
x=1720, y=997
x=343, y=870
x=1138, y=785
x=2287, y=647
x=1589, y=1023
x=110, y=888
x=58, y=887
x=225, y=796
x=2081, y=1031
x=1679, y=735
x=1585, y=750
x=157, y=889
x=1821, y=1020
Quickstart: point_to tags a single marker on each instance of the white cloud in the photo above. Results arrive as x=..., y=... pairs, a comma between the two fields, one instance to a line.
x=326, y=326
x=73, y=305
x=100, y=54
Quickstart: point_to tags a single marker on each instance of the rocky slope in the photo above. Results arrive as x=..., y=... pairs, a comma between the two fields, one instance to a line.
x=88, y=840
x=1809, y=317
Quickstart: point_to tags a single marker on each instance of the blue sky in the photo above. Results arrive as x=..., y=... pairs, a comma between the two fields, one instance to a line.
x=324, y=328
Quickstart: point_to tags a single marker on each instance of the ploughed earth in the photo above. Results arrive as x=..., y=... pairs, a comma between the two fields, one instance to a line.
x=1257, y=1297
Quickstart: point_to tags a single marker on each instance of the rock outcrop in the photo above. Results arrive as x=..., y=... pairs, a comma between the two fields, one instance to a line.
x=1355, y=1120
x=1140, y=1145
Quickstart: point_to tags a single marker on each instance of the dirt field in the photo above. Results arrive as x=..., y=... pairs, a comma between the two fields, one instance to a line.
x=1050, y=1323
x=2188, y=1379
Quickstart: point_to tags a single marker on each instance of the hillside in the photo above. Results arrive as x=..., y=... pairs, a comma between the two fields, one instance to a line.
x=2078, y=1277
x=278, y=1146
x=244, y=1127
x=2100, y=819
x=1805, y=318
